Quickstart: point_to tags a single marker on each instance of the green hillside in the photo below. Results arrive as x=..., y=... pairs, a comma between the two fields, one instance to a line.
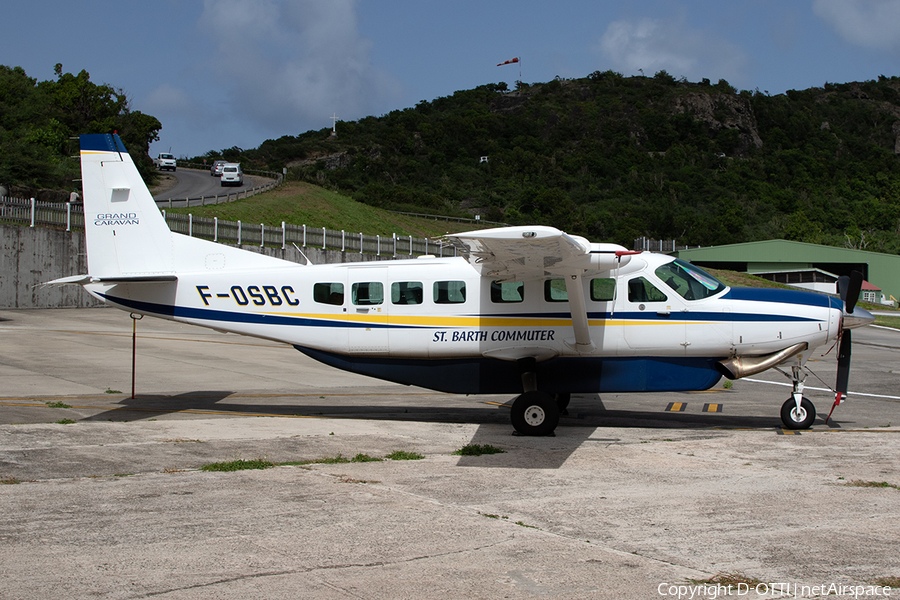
x=609, y=157
x=614, y=158
x=301, y=203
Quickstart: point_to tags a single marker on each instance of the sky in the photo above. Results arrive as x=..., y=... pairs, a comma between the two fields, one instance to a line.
x=223, y=73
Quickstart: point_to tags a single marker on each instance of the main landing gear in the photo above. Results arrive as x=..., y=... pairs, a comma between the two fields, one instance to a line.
x=535, y=412
x=798, y=412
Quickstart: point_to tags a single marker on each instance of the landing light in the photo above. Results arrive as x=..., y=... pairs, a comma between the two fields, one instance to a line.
x=528, y=234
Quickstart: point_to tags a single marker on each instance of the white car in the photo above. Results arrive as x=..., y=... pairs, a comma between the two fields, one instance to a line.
x=232, y=174
x=166, y=161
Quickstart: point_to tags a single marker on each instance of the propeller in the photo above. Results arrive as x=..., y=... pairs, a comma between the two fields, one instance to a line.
x=848, y=288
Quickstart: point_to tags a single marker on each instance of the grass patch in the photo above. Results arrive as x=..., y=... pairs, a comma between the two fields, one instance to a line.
x=885, y=321
x=300, y=203
x=872, y=484
x=65, y=422
x=332, y=460
x=738, y=279
x=726, y=579
x=238, y=465
x=404, y=455
x=109, y=391
x=891, y=582
x=57, y=405
x=478, y=450
x=359, y=458
x=9, y=481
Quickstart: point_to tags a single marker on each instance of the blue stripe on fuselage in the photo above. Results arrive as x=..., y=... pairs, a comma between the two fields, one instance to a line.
x=781, y=296
x=209, y=314
x=561, y=374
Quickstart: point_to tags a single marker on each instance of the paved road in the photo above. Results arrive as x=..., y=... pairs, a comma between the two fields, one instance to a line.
x=627, y=497
x=196, y=183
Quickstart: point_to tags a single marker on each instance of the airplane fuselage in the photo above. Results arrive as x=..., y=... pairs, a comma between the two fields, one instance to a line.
x=438, y=323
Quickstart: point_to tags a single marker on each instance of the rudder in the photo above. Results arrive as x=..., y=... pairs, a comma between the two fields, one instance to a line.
x=125, y=232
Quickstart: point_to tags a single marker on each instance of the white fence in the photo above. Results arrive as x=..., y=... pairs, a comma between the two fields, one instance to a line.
x=71, y=217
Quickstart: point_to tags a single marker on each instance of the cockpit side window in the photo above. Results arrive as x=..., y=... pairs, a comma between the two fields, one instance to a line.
x=641, y=290
x=688, y=281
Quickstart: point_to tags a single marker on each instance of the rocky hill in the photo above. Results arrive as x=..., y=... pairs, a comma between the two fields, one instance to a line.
x=614, y=158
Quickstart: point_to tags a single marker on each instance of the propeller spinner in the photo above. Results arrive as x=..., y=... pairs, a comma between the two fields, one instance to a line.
x=853, y=317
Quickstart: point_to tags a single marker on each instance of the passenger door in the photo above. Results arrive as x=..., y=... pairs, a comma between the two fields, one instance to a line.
x=368, y=313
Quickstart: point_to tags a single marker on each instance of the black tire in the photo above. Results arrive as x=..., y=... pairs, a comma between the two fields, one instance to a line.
x=535, y=413
x=793, y=420
x=562, y=402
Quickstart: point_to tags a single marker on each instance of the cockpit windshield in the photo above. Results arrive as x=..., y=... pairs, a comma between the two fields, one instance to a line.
x=690, y=282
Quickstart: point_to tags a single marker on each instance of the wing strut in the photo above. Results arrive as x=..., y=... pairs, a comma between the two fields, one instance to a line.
x=582, y=342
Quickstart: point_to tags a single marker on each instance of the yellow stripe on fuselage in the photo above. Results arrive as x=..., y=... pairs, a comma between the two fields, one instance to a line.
x=464, y=321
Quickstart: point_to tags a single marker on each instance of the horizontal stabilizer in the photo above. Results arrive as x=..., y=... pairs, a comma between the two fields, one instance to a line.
x=85, y=279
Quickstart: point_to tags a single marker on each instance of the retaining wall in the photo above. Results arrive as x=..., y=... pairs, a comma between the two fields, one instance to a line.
x=30, y=256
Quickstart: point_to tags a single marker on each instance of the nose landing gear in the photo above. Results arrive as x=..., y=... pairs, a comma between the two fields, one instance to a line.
x=798, y=412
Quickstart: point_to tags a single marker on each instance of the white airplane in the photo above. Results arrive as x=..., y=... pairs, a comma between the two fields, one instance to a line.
x=526, y=310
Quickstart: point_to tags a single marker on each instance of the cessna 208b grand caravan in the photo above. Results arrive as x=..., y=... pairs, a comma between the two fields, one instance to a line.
x=528, y=310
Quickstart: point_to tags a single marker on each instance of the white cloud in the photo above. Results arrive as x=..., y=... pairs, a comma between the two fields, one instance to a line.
x=289, y=65
x=868, y=23
x=652, y=45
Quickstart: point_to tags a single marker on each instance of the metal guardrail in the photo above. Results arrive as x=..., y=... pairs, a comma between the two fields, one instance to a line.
x=449, y=219
x=71, y=216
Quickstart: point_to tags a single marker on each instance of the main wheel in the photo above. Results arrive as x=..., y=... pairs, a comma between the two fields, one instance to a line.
x=535, y=413
x=798, y=419
x=562, y=402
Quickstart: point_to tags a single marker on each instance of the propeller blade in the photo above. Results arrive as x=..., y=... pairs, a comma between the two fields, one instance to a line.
x=856, y=279
x=843, y=371
x=843, y=368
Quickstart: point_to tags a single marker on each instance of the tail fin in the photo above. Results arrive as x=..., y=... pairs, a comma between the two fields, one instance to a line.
x=125, y=232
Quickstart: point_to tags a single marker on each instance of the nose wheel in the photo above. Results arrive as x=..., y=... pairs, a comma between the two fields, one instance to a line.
x=798, y=417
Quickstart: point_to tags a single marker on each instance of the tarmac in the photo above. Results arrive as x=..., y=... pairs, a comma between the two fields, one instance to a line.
x=637, y=496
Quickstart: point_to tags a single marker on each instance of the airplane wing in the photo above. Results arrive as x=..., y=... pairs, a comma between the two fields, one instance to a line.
x=538, y=252
x=523, y=253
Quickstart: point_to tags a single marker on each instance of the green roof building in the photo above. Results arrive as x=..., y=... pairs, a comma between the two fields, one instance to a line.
x=781, y=256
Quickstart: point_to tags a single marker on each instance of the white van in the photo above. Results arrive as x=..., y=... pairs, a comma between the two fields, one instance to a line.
x=232, y=174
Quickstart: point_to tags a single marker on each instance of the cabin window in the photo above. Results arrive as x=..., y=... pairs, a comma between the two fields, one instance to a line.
x=641, y=290
x=367, y=293
x=406, y=292
x=329, y=293
x=603, y=290
x=507, y=291
x=555, y=290
x=449, y=292
x=688, y=281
